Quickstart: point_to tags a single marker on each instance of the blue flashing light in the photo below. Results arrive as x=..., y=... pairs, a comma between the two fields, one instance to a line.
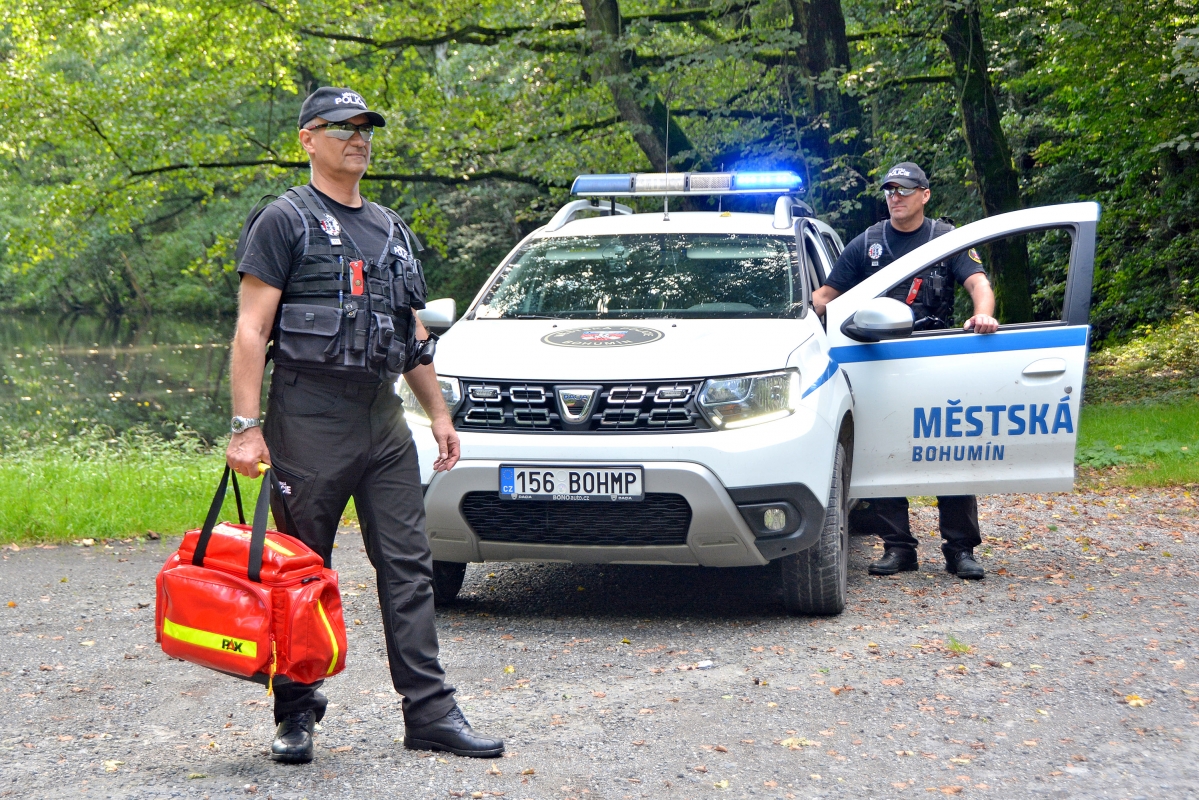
x=603, y=184
x=681, y=183
x=766, y=181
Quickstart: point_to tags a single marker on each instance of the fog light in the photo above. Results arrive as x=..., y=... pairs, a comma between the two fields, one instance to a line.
x=775, y=519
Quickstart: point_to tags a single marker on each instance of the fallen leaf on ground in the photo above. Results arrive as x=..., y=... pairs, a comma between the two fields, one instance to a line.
x=508, y=670
x=1136, y=701
x=529, y=771
x=797, y=742
x=191, y=776
x=646, y=711
x=494, y=771
x=111, y=766
x=1030, y=742
x=720, y=748
x=599, y=694
x=721, y=785
x=700, y=768
x=893, y=682
x=951, y=790
x=345, y=748
x=639, y=742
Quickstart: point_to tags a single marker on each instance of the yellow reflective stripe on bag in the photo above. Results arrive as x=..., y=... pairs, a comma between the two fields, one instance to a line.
x=214, y=641
x=332, y=639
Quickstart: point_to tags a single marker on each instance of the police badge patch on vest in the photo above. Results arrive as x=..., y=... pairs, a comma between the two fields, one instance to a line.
x=331, y=226
x=875, y=251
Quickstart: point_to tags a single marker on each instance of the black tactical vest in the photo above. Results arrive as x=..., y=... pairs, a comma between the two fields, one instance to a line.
x=929, y=292
x=345, y=311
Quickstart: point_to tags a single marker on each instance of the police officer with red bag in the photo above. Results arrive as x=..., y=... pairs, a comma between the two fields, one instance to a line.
x=930, y=294
x=331, y=281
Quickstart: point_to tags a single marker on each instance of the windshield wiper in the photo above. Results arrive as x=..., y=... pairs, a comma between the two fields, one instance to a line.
x=531, y=316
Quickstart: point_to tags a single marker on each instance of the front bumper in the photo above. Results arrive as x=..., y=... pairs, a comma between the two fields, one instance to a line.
x=721, y=532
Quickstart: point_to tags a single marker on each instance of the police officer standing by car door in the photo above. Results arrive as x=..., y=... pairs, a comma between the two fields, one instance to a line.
x=930, y=294
x=332, y=282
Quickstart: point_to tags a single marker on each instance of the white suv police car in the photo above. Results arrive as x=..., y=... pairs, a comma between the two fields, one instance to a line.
x=655, y=388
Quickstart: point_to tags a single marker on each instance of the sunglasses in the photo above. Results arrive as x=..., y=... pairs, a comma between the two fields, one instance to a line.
x=345, y=130
x=899, y=190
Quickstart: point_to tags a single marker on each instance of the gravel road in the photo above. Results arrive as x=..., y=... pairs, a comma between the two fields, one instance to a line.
x=1069, y=672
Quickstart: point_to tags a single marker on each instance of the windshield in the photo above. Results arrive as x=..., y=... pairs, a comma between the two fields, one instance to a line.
x=648, y=275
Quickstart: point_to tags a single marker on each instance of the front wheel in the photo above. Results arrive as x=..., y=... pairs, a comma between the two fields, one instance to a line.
x=815, y=580
x=447, y=581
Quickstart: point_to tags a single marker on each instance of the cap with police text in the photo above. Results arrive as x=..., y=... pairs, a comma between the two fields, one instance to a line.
x=337, y=105
x=907, y=175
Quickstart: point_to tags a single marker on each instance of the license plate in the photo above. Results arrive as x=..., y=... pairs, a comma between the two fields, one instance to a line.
x=571, y=483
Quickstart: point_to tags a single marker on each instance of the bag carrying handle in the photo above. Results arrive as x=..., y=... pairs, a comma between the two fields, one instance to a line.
x=258, y=532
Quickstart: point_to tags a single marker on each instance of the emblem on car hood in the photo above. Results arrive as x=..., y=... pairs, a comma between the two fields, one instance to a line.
x=575, y=403
x=603, y=336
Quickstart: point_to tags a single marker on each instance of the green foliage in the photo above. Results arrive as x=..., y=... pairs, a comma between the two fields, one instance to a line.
x=139, y=134
x=1158, y=362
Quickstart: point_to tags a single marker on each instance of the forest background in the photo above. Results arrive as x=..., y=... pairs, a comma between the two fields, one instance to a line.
x=137, y=135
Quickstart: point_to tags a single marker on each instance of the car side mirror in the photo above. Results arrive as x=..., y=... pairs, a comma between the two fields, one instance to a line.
x=438, y=315
x=878, y=319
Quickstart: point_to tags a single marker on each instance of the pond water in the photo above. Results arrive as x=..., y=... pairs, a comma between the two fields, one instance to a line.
x=62, y=374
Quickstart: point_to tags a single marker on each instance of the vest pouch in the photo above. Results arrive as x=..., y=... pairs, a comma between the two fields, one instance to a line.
x=359, y=332
x=308, y=333
x=382, y=337
x=414, y=282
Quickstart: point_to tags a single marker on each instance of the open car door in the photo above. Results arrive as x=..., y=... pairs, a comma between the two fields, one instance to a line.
x=950, y=412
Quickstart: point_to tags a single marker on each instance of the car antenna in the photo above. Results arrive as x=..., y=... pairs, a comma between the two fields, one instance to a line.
x=720, y=197
x=666, y=197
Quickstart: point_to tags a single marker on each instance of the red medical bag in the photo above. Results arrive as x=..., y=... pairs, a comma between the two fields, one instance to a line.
x=251, y=602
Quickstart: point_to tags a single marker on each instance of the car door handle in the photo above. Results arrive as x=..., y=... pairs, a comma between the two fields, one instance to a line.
x=1043, y=368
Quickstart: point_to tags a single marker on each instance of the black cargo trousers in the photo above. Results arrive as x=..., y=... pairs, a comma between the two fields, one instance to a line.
x=888, y=517
x=330, y=440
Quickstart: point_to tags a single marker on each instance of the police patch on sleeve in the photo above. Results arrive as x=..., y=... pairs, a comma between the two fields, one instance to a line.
x=876, y=250
x=974, y=256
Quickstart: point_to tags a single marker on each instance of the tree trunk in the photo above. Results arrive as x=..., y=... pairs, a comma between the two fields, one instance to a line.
x=991, y=157
x=644, y=112
x=838, y=140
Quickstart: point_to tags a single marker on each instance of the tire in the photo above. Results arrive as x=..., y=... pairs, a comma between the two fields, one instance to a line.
x=447, y=581
x=815, y=580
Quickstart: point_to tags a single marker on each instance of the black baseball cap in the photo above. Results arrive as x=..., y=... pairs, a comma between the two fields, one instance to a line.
x=907, y=175
x=335, y=104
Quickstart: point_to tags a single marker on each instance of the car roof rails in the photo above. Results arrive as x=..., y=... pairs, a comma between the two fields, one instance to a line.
x=572, y=209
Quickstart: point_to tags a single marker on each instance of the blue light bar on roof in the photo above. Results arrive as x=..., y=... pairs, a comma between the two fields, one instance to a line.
x=678, y=183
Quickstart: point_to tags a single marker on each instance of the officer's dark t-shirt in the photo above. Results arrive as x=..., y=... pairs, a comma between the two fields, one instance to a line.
x=854, y=266
x=276, y=242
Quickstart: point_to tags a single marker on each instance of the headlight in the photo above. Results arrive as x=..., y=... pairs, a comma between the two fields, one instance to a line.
x=413, y=410
x=749, y=399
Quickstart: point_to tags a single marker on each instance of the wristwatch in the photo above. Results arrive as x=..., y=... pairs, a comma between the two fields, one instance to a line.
x=241, y=424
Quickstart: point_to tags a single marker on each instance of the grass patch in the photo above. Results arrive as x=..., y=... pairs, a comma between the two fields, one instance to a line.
x=96, y=485
x=1141, y=444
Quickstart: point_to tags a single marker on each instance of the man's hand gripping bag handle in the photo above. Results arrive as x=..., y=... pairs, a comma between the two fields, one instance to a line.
x=258, y=532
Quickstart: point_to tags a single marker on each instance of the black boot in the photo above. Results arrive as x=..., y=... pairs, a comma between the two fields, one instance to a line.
x=964, y=566
x=894, y=561
x=293, y=738
x=453, y=734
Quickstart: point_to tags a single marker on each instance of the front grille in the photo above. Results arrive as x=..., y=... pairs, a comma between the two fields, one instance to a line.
x=659, y=519
x=643, y=407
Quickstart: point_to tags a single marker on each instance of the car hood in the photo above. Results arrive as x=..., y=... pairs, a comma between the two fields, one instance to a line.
x=575, y=350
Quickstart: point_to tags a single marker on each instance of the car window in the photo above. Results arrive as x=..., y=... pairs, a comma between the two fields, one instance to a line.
x=648, y=275
x=833, y=248
x=1044, y=255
